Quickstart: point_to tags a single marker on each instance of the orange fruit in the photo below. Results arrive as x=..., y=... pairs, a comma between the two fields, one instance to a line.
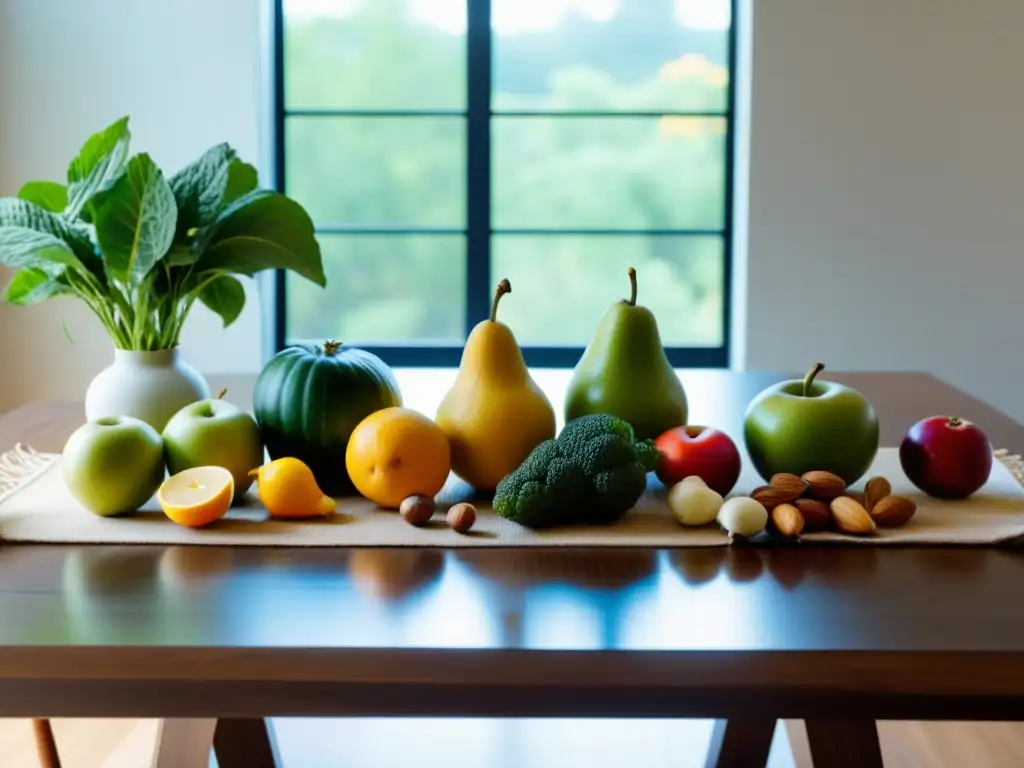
x=198, y=496
x=287, y=488
x=395, y=453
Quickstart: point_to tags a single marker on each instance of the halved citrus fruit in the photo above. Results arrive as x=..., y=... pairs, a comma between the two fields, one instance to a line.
x=198, y=496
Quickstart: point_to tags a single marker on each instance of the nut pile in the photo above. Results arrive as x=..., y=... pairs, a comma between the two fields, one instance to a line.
x=418, y=510
x=819, y=500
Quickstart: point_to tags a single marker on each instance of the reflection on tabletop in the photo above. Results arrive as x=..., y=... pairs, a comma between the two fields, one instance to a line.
x=704, y=598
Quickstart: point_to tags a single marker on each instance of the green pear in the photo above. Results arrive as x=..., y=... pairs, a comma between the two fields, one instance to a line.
x=624, y=372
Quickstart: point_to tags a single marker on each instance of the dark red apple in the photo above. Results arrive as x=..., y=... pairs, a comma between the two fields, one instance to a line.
x=706, y=452
x=946, y=457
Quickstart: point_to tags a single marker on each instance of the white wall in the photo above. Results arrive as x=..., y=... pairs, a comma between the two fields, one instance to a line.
x=885, y=184
x=887, y=190
x=187, y=73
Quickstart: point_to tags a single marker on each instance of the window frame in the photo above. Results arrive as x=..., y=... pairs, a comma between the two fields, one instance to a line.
x=478, y=229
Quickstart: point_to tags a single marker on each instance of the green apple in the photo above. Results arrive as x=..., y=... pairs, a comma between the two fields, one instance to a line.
x=113, y=465
x=214, y=433
x=797, y=426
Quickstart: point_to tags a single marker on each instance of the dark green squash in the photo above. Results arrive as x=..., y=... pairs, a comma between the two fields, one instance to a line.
x=308, y=399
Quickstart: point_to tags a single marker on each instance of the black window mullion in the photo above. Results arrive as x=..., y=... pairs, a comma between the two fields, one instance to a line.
x=478, y=161
x=280, y=316
x=730, y=165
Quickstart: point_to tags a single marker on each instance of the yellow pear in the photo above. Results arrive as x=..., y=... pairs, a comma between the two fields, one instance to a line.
x=495, y=413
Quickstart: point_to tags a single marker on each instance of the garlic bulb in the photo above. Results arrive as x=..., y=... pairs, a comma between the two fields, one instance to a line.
x=693, y=503
x=742, y=516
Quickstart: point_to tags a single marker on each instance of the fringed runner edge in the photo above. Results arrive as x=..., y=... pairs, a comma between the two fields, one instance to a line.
x=19, y=466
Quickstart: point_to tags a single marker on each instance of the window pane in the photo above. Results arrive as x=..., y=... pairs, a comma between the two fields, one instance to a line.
x=646, y=55
x=609, y=173
x=404, y=289
x=375, y=54
x=565, y=283
x=404, y=171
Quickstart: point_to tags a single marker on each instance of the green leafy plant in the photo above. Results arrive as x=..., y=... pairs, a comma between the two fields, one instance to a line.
x=140, y=248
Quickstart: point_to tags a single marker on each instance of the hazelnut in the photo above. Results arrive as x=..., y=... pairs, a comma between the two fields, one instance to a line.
x=461, y=517
x=417, y=510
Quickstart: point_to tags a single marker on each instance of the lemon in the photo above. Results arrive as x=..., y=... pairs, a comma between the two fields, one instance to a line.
x=198, y=496
x=287, y=488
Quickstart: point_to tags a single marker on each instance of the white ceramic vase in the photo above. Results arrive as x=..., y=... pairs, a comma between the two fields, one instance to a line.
x=151, y=386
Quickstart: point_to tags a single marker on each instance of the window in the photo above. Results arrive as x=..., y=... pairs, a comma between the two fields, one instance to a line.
x=440, y=145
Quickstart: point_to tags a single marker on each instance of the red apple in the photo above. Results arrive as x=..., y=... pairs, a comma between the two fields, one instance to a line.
x=706, y=452
x=946, y=457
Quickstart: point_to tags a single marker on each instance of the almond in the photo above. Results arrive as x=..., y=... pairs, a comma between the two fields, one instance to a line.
x=785, y=481
x=787, y=520
x=850, y=517
x=877, y=488
x=770, y=497
x=893, y=511
x=824, y=485
x=815, y=513
x=857, y=496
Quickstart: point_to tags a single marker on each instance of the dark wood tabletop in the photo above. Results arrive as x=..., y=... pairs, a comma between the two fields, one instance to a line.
x=917, y=632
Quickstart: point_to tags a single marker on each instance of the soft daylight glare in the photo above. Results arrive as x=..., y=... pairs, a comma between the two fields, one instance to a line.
x=713, y=15
x=509, y=17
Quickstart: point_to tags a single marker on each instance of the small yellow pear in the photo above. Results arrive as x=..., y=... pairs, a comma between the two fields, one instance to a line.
x=495, y=413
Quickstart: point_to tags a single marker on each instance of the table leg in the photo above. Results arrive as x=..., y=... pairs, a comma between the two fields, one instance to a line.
x=182, y=743
x=245, y=743
x=46, y=745
x=740, y=743
x=844, y=743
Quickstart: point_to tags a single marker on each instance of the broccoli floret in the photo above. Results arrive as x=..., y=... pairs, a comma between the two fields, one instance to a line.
x=617, y=491
x=535, y=465
x=543, y=491
x=594, y=425
x=528, y=502
x=603, y=452
x=593, y=472
x=648, y=455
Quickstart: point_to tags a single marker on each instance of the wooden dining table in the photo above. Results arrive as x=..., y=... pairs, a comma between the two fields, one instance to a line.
x=216, y=640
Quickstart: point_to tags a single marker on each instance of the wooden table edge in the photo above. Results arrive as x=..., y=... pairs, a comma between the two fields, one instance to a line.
x=938, y=672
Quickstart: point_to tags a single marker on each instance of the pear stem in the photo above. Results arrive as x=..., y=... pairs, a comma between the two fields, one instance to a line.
x=220, y=395
x=809, y=378
x=632, y=287
x=503, y=287
x=331, y=346
x=254, y=472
